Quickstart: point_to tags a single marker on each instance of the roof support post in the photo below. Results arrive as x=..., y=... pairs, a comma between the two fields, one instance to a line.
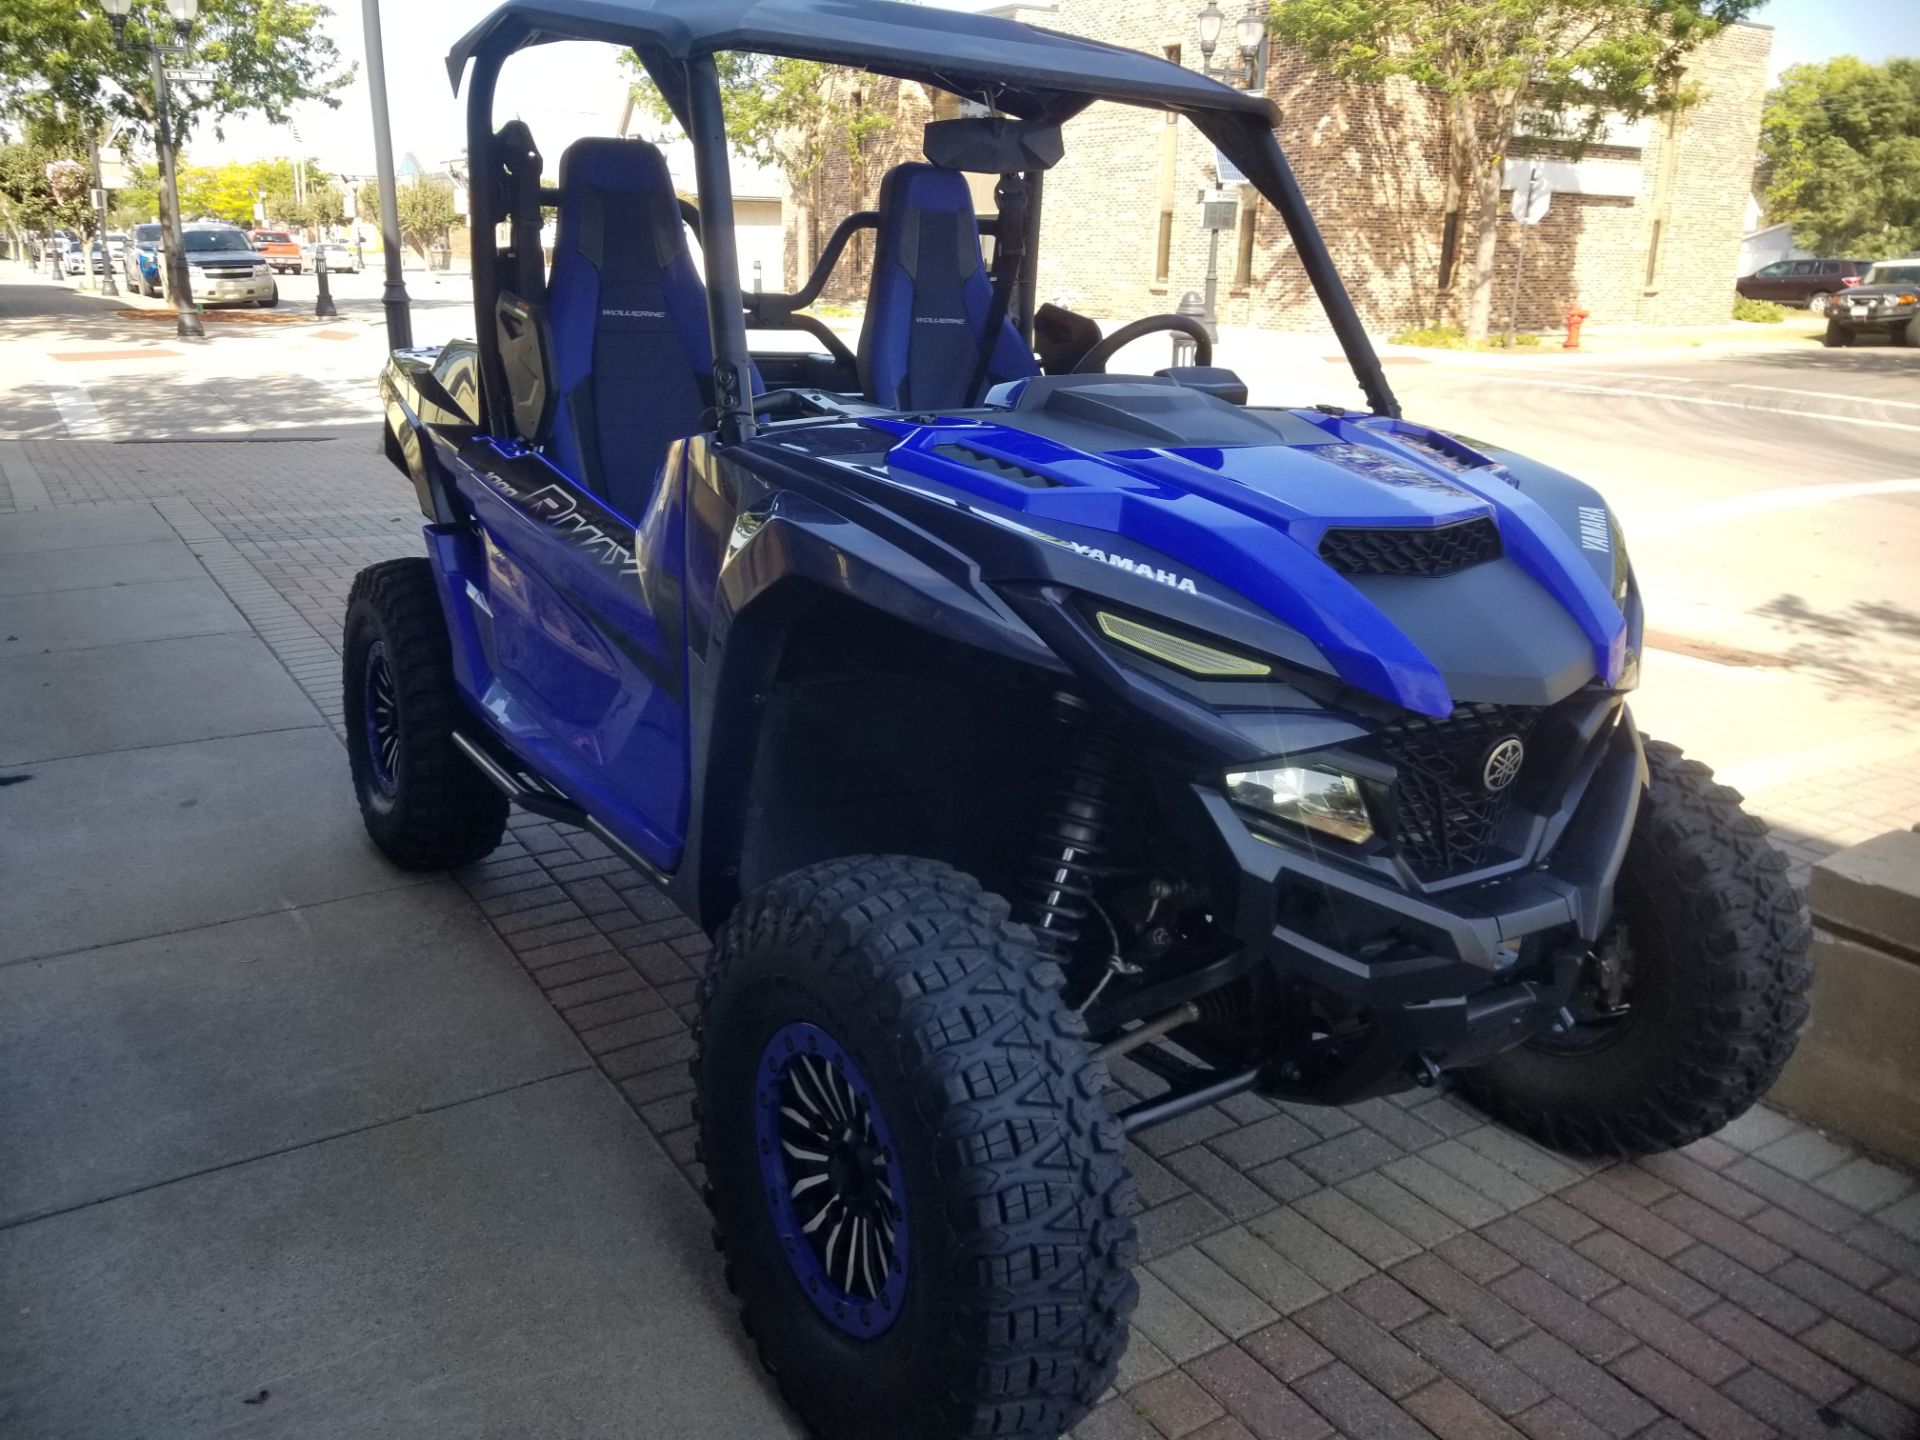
x=1256, y=150
x=732, y=370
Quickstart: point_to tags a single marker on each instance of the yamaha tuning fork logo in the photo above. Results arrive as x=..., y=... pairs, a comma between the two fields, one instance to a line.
x=1502, y=765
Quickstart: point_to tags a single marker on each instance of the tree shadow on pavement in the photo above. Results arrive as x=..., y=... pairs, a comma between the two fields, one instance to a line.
x=1868, y=358
x=1868, y=645
x=174, y=406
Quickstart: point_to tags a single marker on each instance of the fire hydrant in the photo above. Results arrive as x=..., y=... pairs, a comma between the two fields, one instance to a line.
x=1574, y=316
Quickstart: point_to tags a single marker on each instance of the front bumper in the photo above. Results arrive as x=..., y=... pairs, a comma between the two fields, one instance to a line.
x=1447, y=978
x=1872, y=318
x=238, y=290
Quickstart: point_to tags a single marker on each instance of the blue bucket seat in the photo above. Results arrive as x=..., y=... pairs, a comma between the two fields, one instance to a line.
x=929, y=298
x=633, y=355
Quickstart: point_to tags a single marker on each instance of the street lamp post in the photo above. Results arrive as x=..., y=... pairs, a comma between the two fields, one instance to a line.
x=107, y=287
x=179, y=286
x=394, y=295
x=1250, y=30
x=1217, y=212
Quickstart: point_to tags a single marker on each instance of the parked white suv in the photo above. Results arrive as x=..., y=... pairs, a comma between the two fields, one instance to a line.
x=223, y=268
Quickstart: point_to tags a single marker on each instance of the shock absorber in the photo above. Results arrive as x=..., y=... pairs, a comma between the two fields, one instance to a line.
x=1074, y=835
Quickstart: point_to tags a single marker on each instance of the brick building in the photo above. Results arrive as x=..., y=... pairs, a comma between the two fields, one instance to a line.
x=1645, y=227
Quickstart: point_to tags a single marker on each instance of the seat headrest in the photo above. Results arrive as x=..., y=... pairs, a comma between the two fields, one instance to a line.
x=628, y=177
x=606, y=163
x=925, y=187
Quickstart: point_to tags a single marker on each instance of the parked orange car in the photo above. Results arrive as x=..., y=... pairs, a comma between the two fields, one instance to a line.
x=279, y=249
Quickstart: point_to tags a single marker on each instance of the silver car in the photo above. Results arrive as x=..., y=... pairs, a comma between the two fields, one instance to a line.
x=223, y=268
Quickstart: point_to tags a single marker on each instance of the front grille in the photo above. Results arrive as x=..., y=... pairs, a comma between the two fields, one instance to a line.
x=1411, y=550
x=1445, y=818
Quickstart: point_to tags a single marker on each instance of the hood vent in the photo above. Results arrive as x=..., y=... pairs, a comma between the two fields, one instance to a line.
x=993, y=465
x=1412, y=550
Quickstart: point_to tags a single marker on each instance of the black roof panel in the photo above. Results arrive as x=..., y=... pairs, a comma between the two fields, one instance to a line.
x=1018, y=68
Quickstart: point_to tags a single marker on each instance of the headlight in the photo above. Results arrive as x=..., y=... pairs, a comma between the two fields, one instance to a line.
x=1323, y=800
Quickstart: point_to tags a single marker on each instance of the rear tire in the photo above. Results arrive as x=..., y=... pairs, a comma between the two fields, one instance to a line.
x=1717, y=985
x=896, y=990
x=1837, y=335
x=1820, y=304
x=424, y=803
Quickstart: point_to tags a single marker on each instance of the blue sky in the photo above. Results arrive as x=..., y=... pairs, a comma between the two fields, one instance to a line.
x=1874, y=30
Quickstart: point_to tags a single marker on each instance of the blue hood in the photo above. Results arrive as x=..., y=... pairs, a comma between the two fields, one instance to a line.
x=1250, y=516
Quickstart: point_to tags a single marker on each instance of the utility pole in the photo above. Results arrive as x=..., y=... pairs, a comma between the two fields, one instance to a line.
x=107, y=287
x=186, y=322
x=394, y=294
x=186, y=319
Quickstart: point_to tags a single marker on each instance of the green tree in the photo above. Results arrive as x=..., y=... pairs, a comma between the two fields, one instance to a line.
x=39, y=190
x=1840, y=156
x=1570, y=62
x=60, y=67
x=790, y=114
x=426, y=211
x=138, y=202
x=59, y=63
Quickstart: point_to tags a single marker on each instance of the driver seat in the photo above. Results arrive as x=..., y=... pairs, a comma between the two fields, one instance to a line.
x=633, y=354
x=928, y=301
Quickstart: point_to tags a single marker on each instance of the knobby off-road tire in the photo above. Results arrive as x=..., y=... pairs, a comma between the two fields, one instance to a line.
x=424, y=803
x=940, y=1021
x=1718, y=978
x=1837, y=335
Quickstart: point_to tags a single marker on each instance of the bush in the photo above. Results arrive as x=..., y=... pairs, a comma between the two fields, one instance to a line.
x=1450, y=337
x=1435, y=337
x=1758, y=312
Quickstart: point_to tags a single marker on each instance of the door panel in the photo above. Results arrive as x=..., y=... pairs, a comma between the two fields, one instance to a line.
x=586, y=640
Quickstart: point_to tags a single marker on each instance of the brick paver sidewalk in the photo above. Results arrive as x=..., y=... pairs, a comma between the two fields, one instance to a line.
x=1397, y=1268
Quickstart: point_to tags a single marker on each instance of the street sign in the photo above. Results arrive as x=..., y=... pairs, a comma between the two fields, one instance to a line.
x=194, y=74
x=1530, y=200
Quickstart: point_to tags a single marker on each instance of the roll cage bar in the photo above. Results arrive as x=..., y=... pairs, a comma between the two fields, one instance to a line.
x=1017, y=69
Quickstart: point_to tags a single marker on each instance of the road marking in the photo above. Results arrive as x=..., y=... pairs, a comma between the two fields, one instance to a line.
x=1826, y=395
x=1765, y=502
x=1718, y=404
x=75, y=405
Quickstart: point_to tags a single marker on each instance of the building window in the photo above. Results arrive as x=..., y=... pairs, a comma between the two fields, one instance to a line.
x=1163, y=252
x=1243, y=261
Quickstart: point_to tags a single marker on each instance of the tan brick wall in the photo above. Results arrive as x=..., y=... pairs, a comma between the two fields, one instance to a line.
x=1370, y=160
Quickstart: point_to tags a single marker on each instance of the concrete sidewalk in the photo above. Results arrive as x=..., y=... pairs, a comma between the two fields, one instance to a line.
x=290, y=1142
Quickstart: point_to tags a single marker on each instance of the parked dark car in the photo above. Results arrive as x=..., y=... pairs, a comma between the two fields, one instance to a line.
x=1886, y=302
x=1812, y=283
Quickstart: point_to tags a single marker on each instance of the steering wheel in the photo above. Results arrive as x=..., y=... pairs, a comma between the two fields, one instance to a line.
x=1095, y=360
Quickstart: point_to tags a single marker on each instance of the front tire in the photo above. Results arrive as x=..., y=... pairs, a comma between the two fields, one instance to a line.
x=884, y=1057
x=1717, y=978
x=423, y=802
x=1837, y=336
